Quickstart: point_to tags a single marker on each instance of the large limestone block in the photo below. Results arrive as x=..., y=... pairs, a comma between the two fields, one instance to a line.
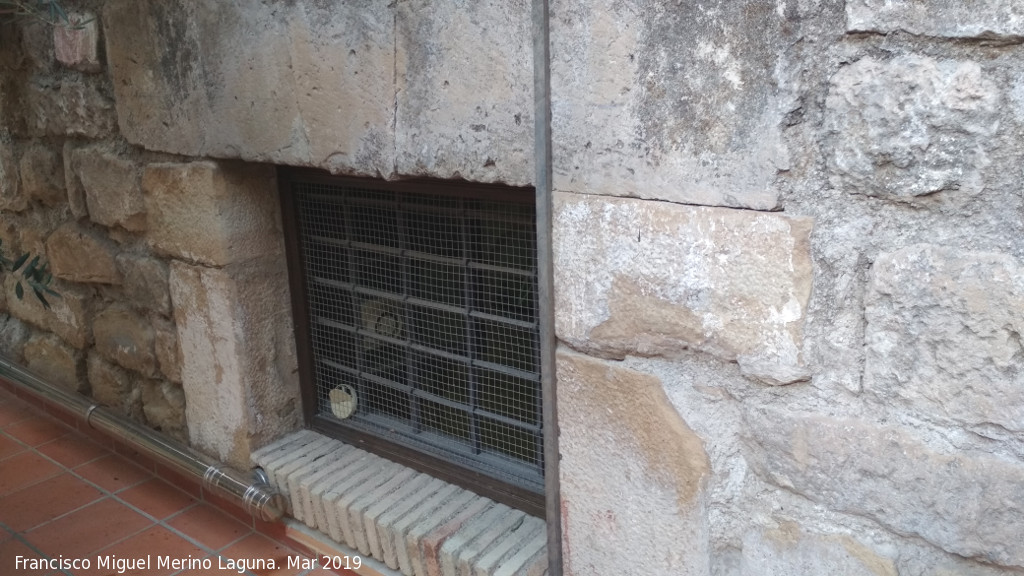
x=966, y=503
x=82, y=255
x=111, y=186
x=69, y=315
x=465, y=90
x=289, y=83
x=69, y=106
x=238, y=361
x=910, y=126
x=945, y=18
x=211, y=212
x=631, y=472
x=42, y=176
x=56, y=362
x=113, y=386
x=943, y=334
x=789, y=551
x=670, y=100
x=635, y=277
x=126, y=338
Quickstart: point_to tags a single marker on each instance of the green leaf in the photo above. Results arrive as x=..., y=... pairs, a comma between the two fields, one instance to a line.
x=19, y=262
x=18, y=290
x=42, y=299
x=30, y=270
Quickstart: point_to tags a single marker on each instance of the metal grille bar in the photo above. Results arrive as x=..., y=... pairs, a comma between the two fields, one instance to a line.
x=423, y=321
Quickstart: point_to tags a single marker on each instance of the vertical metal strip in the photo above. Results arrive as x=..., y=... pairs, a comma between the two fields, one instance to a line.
x=545, y=277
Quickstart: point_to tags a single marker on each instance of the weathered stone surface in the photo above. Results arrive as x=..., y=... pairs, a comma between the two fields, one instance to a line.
x=11, y=197
x=465, y=90
x=56, y=362
x=944, y=332
x=670, y=101
x=238, y=361
x=164, y=406
x=145, y=282
x=112, y=385
x=76, y=45
x=13, y=335
x=112, y=189
x=168, y=353
x=323, y=92
x=212, y=213
x=82, y=255
x=966, y=503
x=42, y=175
x=788, y=551
x=76, y=192
x=615, y=419
x=910, y=126
x=126, y=338
x=69, y=315
x=58, y=107
x=652, y=278
x=944, y=18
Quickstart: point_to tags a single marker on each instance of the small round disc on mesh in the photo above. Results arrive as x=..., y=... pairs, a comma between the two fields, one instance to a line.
x=343, y=402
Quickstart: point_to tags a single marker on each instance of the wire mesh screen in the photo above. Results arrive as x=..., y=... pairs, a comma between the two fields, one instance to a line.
x=423, y=319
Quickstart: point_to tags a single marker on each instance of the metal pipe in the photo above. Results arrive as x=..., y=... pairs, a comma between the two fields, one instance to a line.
x=253, y=494
x=545, y=277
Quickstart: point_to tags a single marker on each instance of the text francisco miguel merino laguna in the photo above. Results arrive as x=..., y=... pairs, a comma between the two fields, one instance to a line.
x=121, y=564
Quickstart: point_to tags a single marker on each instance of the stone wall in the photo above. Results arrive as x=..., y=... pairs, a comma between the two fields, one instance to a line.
x=788, y=246
x=169, y=268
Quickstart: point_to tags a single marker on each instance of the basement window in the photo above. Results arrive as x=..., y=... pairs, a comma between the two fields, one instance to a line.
x=416, y=321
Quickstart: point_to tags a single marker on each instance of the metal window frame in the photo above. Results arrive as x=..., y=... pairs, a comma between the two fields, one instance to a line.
x=455, y=473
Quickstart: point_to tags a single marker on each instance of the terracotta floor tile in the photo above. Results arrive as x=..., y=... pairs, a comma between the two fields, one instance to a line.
x=113, y=473
x=209, y=526
x=9, y=446
x=36, y=430
x=157, y=498
x=9, y=551
x=24, y=470
x=262, y=550
x=96, y=526
x=14, y=410
x=30, y=507
x=72, y=450
x=149, y=545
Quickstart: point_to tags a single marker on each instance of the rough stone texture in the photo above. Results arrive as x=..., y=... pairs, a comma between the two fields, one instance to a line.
x=943, y=334
x=615, y=419
x=465, y=90
x=42, y=176
x=13, y=335
x=911, y=126
x=163, y=403
x=81, y=255
x=76, y=192
x=145, y=282
x=126, y=338
x=11, y=197
x=788, y=551
x=56, y=362
x=944, y=18
x=112, y=191
x=77, y=45
x=668, y=100
x=168, y=353
x=112, y=385
x=67, y=107
x=238, y=360
x=322, y=92
x=212, y=213
x=654, y=278
x=963, y=502
x=69, y=316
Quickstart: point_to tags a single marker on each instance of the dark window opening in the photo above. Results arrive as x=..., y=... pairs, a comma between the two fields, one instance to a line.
x=416, y=319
